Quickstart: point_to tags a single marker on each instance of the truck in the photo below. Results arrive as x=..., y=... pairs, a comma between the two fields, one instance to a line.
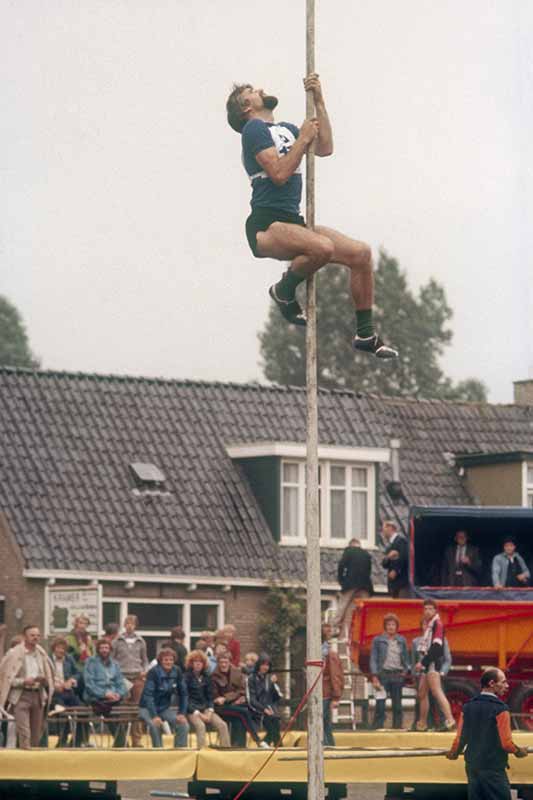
x=484, y=626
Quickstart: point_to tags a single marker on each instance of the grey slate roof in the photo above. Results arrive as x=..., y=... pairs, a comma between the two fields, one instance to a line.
x=66, y=441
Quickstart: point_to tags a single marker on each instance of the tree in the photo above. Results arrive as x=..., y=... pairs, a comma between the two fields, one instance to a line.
x=14, y=345
x=283, y=613
x=416, y=325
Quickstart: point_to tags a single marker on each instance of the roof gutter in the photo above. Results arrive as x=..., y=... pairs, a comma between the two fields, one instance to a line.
x=138, y=577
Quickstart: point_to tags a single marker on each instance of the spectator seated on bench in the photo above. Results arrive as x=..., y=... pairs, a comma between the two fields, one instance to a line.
x=66, y=683
x=163, y=682
x=200, y=709
x=229, y=699
x=263, y=698
x=105, y=688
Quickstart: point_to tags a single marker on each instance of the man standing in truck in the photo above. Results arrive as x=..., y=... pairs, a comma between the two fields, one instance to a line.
x=396, y=560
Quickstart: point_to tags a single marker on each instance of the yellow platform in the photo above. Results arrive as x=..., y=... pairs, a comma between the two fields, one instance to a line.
x=288, y=765
x=97, y=765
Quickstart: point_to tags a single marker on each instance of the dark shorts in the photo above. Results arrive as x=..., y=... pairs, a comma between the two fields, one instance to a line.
x=262, y=218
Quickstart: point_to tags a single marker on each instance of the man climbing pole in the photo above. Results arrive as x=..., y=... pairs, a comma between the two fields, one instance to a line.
x=272, y=154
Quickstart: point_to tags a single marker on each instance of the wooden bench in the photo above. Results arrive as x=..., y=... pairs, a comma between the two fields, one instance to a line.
x=122, y=716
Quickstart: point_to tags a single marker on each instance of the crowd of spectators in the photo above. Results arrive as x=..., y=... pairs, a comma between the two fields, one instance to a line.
x=212, y=688
x=178, y=693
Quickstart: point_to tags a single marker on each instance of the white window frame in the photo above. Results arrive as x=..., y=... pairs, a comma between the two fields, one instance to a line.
x=325, y=505
x=527, y=492
x=164, y=633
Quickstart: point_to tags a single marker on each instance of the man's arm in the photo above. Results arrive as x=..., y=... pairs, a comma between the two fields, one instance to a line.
x=340, y=569
x=324, y=140
x=280, y=168
x=475, y=564
x=523, y=567
x=496, y=570
x=503, y=721
x=459, y=742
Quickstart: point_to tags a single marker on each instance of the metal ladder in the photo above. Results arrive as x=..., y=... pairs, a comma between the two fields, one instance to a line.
x=345, y=711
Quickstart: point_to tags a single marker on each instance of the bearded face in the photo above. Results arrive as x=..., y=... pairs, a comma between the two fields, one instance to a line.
x=270, y=101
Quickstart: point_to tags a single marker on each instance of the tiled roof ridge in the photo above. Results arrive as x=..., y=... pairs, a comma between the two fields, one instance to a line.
x=245, y=386
x=127, y=378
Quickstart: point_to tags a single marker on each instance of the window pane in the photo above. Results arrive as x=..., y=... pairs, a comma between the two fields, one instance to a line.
x=530, y=499
x=157, y=616
x=338, y=515
x=359, y=516
x=154, y=645
x=204, y=618
x=359, y=476
x=290, y=512
x=290, y=473
x=338, y=476
x=530, y=476
x=111, y=613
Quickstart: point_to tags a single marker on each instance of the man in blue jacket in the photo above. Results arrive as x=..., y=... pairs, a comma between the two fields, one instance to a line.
x=389, y=665
x=105, y=687
x=509, y=570
x=163, y=682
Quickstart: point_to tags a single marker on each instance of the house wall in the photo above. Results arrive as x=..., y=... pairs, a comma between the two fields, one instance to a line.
x=19, y=592
x=495, y=484
x=242, y=606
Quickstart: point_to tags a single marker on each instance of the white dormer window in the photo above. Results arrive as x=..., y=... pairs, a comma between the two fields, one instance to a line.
x=346, y=503
x=529, y=485
x=347, y=478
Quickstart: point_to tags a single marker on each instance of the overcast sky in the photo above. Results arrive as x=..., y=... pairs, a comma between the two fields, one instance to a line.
x=123, y=198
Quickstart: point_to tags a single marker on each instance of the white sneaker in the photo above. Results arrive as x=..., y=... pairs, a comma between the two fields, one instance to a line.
x=264, y=745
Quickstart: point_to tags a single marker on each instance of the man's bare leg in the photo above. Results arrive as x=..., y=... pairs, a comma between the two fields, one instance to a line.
x=308, y=252
x=311, y=250
x=357, y=256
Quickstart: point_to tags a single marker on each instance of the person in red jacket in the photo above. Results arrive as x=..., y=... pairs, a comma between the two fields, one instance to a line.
x=233, y=644
x=332, y=683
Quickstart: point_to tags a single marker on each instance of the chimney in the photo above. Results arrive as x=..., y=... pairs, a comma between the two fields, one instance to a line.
x=394, y=487
x=523, y=392
x=395, y=445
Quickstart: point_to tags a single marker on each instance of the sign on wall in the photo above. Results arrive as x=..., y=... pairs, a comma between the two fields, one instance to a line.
x=65, y=603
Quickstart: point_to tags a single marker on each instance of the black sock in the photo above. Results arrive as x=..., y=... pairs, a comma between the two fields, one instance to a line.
x=286, y=287
x=365, y=325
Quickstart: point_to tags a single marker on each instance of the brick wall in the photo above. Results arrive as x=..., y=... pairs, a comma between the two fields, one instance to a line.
x=19, y=592
x=241, y=604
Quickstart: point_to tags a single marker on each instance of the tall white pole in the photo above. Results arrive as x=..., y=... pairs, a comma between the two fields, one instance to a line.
x=315, y=754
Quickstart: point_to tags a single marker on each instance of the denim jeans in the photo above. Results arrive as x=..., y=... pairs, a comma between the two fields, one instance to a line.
x=329, y=741
x=180, y=729
x=239, y=721
x=393, y=684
